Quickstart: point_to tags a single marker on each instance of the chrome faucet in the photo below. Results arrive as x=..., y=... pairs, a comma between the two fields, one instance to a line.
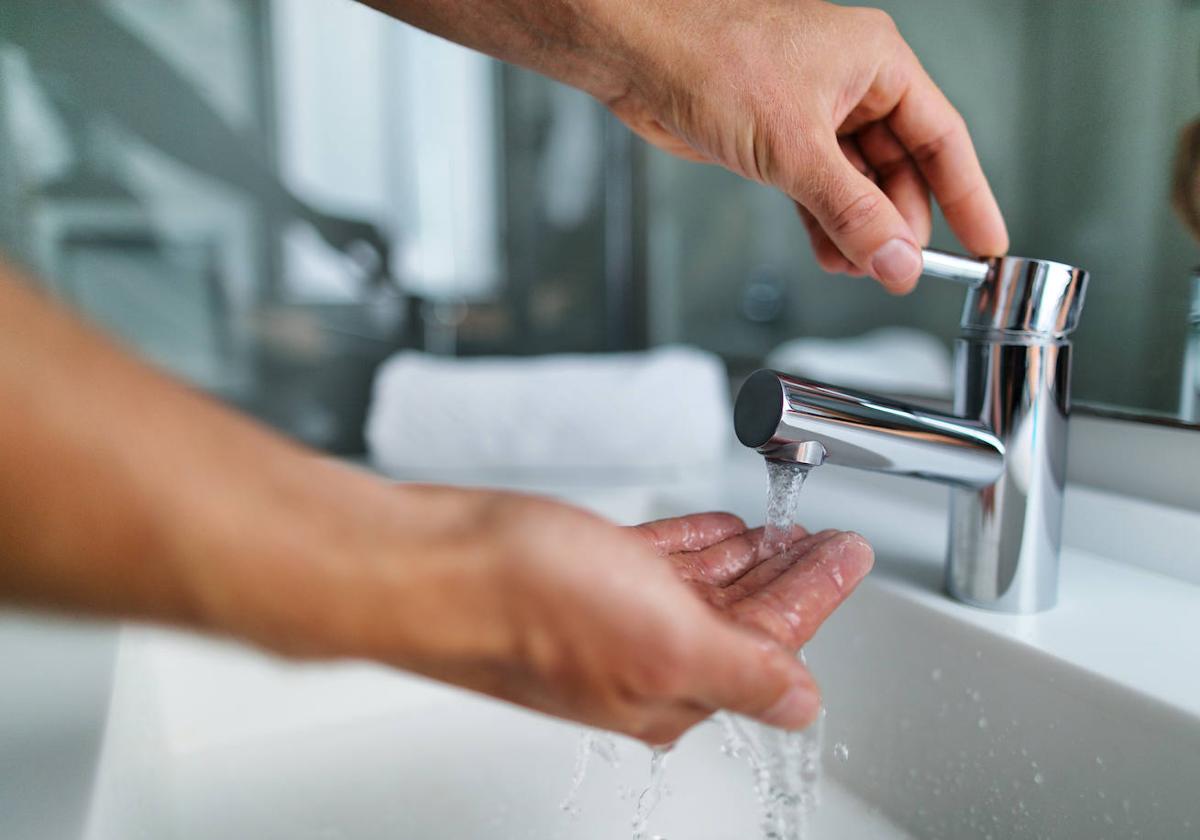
x=1003, y=451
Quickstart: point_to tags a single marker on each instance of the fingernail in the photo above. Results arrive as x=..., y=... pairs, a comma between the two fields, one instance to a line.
x=794, y=710
x=896, y=263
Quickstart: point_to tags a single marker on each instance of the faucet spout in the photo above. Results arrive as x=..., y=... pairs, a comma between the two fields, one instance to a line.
x=810, y=423
x=1003, y=452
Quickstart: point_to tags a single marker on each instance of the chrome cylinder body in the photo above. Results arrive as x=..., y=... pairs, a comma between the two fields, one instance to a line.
x=1005, y=537
x=1003, y=451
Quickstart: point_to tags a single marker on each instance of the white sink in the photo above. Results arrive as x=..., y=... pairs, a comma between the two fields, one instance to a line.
x=1083, y=722
x=245, y=747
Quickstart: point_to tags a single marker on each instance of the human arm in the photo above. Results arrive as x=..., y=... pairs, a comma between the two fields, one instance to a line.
x=126, y=494
x=824, y=102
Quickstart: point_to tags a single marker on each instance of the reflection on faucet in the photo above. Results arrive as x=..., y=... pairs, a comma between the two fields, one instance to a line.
x=1002, y=452
x=1189, y=400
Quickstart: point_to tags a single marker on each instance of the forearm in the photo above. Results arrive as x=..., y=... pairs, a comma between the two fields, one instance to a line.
x=127, y=494
x=589, y=44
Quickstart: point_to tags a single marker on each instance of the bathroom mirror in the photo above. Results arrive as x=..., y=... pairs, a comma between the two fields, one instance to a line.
x=1078, y=110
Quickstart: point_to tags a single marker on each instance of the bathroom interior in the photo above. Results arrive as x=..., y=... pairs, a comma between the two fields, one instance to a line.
x=339, y=225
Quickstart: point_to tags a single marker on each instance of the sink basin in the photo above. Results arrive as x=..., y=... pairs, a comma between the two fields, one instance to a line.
x=1081, y=722
x=245, y=746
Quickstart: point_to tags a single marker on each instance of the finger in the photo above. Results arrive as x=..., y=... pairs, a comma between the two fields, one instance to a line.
x=857, y=216
x=752, y=676
x=850, y=149
x=690, y=533
x=790, y=608
x=829, y=258
x=730, y=559
x=771, y=568
x=898, y=176
x=937, y=139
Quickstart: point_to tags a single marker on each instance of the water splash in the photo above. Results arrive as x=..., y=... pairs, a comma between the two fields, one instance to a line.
x=652, y=795
x=786, y=767
x=591, y=743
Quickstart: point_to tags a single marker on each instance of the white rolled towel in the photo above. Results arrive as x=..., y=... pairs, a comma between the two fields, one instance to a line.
x=663, y=411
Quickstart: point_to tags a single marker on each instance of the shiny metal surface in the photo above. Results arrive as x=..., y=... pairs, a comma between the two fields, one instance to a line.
x=1014, y=294
x=1189, y=394
x=1005, y=537
x=852, y=429
x=1003, y=451
x=965, y=270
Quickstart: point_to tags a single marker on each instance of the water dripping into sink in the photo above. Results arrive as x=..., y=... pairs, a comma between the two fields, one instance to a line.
x=652, y=795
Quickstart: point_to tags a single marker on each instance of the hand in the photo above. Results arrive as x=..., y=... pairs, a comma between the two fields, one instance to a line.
x=825, y=102
x=785, y=596
x=644, y=630
x=608, y=635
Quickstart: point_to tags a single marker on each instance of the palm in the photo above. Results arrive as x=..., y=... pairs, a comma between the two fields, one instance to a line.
x=786, y=595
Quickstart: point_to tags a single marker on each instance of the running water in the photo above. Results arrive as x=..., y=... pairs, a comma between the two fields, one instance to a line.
x=787, y=771
x=785, y=482
x=786, y=765
x=592, y=742
x=652, y=795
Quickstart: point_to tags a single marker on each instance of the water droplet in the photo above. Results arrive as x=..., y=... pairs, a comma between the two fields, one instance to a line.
x=983, y=723
x=1038, y=778
x=840, y=751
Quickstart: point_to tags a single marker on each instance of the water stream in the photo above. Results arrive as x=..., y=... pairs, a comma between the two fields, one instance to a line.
x=786, y=765
x=652, y=795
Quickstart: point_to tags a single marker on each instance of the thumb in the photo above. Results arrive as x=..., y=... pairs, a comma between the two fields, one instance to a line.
x=751, y=675
x=859, y=218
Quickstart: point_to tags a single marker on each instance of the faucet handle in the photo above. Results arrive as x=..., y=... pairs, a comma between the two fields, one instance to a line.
x=1014, y=295
x=970, y=272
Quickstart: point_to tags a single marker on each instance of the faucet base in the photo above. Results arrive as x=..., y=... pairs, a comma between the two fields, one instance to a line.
x=1005, y=537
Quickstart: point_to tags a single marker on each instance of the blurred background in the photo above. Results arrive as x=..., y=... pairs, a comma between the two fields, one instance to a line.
x=270, y=197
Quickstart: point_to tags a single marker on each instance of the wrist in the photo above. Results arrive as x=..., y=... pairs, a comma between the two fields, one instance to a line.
x=322, y=560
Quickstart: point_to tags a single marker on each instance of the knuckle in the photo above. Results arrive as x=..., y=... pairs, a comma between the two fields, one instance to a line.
x=855, y=215
x=948, y=136
x=878, y=21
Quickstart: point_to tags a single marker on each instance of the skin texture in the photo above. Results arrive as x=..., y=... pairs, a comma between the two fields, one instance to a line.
x=123, y=493
x=826, y=103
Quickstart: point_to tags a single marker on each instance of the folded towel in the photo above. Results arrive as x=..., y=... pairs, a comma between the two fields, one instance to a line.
x=663, y=411
x=895, y=360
